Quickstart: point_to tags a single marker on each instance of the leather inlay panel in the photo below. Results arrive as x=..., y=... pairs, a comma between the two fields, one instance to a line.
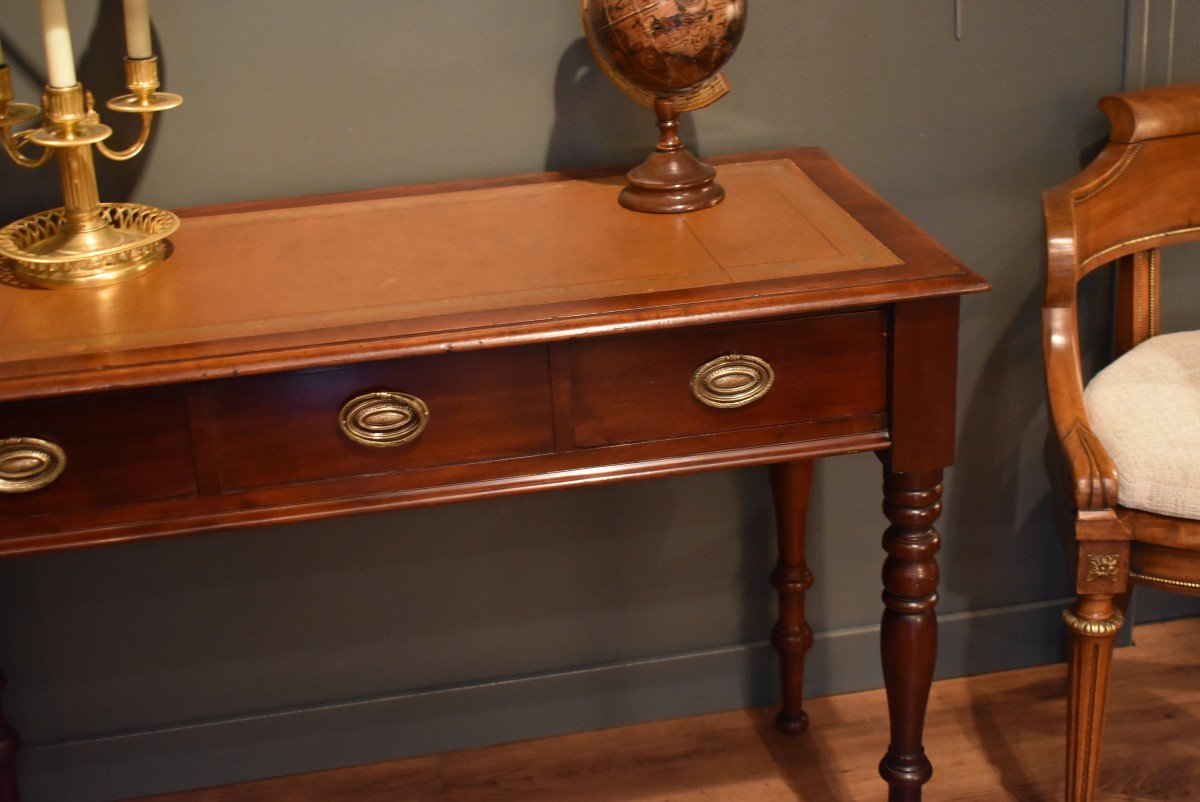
x=389, y=259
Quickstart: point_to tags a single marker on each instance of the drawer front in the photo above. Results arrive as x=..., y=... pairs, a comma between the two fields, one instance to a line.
x=725, y=378
x=380, y=417
x=83, y=452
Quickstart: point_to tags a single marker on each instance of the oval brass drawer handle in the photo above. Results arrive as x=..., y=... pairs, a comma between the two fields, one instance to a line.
x=383, y=419
x=28, y=464
x=732, y=381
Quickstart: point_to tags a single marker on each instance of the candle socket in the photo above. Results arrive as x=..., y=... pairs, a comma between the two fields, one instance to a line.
x=6, y=90
x=84, y=243
x=141, y=76
x=11, y=113
x=64, y=108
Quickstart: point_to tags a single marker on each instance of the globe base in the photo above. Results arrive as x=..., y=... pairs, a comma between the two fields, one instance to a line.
x=671, y=180
x=671, y=183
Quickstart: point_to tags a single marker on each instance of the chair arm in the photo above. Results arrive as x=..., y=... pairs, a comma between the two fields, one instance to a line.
x=1090, y=471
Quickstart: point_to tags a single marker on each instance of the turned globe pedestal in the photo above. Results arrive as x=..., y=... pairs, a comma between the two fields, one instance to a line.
x=667, y=54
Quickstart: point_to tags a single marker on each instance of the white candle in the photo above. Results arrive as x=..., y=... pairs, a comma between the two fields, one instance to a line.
x=137, y=29
x=60, y=59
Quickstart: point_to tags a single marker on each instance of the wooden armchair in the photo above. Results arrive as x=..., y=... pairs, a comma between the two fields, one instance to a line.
x=1130, y=444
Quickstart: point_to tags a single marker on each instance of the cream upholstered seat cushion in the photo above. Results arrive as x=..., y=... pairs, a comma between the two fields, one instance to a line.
x=1145, y=408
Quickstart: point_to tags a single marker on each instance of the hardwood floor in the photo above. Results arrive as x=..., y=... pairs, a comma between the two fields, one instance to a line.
x=993, y=737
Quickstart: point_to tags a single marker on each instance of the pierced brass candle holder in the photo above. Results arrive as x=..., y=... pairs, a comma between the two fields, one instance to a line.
x=84, y=243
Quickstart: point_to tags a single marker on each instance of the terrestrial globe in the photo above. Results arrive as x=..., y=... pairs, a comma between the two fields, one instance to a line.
x=668, y=54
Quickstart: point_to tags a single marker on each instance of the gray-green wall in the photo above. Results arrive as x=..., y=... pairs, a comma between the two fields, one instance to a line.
x=226, y=657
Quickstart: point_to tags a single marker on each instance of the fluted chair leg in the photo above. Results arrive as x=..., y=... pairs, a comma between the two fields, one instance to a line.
x=1093, y=623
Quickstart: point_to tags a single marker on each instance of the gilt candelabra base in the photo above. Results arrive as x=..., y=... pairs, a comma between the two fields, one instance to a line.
x=46, y=250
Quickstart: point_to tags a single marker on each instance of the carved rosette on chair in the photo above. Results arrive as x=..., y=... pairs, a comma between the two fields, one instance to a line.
x=666, y=54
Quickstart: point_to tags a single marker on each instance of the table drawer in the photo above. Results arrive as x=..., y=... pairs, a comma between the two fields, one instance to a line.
x=83, y=452
x=297, y=427
x=725, y=378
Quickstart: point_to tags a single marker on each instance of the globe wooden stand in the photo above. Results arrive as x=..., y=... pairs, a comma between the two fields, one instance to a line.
x=671, y=180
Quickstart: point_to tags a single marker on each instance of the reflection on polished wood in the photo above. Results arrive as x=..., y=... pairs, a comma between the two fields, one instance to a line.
x=997, y=736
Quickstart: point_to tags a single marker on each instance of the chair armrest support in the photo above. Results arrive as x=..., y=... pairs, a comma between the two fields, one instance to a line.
x=1090, y=470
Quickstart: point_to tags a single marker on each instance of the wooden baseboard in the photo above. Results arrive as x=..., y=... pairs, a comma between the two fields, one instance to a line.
x=991, y=737
x=278, y=742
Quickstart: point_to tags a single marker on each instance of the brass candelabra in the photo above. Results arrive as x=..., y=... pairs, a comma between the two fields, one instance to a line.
x=84, y=243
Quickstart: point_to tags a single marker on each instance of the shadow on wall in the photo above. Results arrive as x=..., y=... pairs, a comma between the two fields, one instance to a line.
x=595, y=125
x=26, y=191
x=986, y=488
x=983, y=452
x=757, y=534
x=993, y=470
x=101, y=70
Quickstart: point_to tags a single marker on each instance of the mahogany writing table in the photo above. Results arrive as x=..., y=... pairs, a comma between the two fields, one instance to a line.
x=315, y=357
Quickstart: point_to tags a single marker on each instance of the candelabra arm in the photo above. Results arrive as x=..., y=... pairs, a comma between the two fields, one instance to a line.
x=141, y=75
x=13, y=115
x=13, y=144
x=134, y=149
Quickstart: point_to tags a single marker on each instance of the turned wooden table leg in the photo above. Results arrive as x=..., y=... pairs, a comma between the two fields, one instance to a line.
x=791, y=636
x=1093, y=624
x=10, y=741
x=908, y=638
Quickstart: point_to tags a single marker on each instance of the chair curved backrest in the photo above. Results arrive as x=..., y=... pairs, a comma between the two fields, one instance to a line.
x=1140, y=194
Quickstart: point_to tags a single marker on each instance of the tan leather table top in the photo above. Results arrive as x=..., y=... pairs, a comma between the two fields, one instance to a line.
x=353, y=270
